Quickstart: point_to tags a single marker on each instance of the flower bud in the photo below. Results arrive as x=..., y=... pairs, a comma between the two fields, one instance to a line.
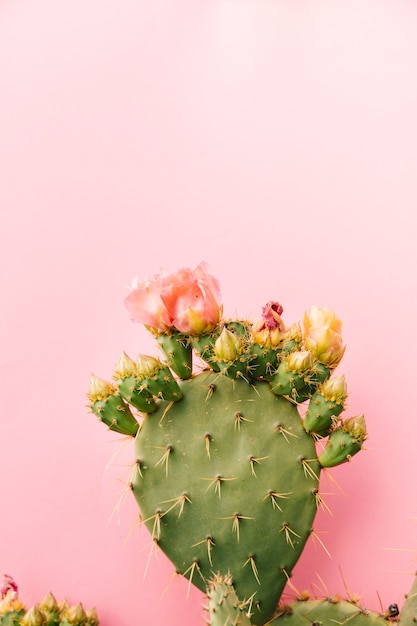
x=356, y=427
x=92, y=617
x=294, y=333
x=299, y=362
x=266, y=337
x=76, y=615
x=293, y=374
x=125, y=367
x=34, y=617
x=147, y=366
x=334, y=389
x=99, y=389
x=49, y=602
x=323, y=336
x=292, y=339
x=50, y=607
x=227, y=346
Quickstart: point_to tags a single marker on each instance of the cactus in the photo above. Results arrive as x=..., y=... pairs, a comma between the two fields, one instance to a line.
x=48, y=612
x=226, y=471
x=224, y=606
x=225, y=609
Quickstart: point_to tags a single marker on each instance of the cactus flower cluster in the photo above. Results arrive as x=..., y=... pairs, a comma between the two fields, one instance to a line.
x=232, y=426
x=48, y=612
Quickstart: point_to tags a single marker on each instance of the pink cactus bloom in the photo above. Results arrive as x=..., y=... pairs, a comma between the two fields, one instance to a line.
x=187, y=300
x=271, y=313
x=145, y=305
x=8, y=586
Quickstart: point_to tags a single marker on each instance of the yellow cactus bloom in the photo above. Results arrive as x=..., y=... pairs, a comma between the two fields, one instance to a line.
x=267, y=337
x=323, y=336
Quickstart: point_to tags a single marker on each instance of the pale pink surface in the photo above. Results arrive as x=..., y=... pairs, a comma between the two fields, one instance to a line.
x=275, y=140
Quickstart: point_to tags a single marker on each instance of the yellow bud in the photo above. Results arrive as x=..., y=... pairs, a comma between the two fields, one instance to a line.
x=334, y=389
x=49, y=603
x=76, y=615
x=125, y=367
x=147, y=366
x=99, y=389
x=267, y=337
x=227, y=346
x=294, y=333
x=299, y=362
x=34, y=617
x=92, y=617
x=356, y=427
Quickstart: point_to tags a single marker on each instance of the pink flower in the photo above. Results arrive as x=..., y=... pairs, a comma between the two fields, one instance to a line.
x=187, y=300
x=8, y=586
x=145, y=305
x=271, y=314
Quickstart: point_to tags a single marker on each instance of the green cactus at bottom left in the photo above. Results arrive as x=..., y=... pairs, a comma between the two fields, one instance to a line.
x=48, y=612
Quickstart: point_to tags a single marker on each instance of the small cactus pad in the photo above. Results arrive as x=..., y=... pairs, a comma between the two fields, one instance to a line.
x=226, y=482
x=328, y=612
x=224, y=606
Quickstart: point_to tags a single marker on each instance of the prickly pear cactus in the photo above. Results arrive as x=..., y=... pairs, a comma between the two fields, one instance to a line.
x=229, y=449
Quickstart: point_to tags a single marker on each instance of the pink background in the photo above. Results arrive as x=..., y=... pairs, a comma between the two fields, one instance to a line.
x=274, y=139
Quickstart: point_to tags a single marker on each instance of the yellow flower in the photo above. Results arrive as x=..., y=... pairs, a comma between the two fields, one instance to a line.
x=323, y=336
x=266, y=337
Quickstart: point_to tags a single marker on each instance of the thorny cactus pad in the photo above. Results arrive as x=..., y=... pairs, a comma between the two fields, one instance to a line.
x=225, y=609
x=227, y=480
x=226, y=470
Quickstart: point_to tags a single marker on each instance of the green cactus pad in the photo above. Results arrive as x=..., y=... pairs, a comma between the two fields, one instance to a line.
x=219, y=471
x=178, y=351
x=133, y=392
x=328, y=612
x=11, y=618
x=116, y=414
x=224, y=606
